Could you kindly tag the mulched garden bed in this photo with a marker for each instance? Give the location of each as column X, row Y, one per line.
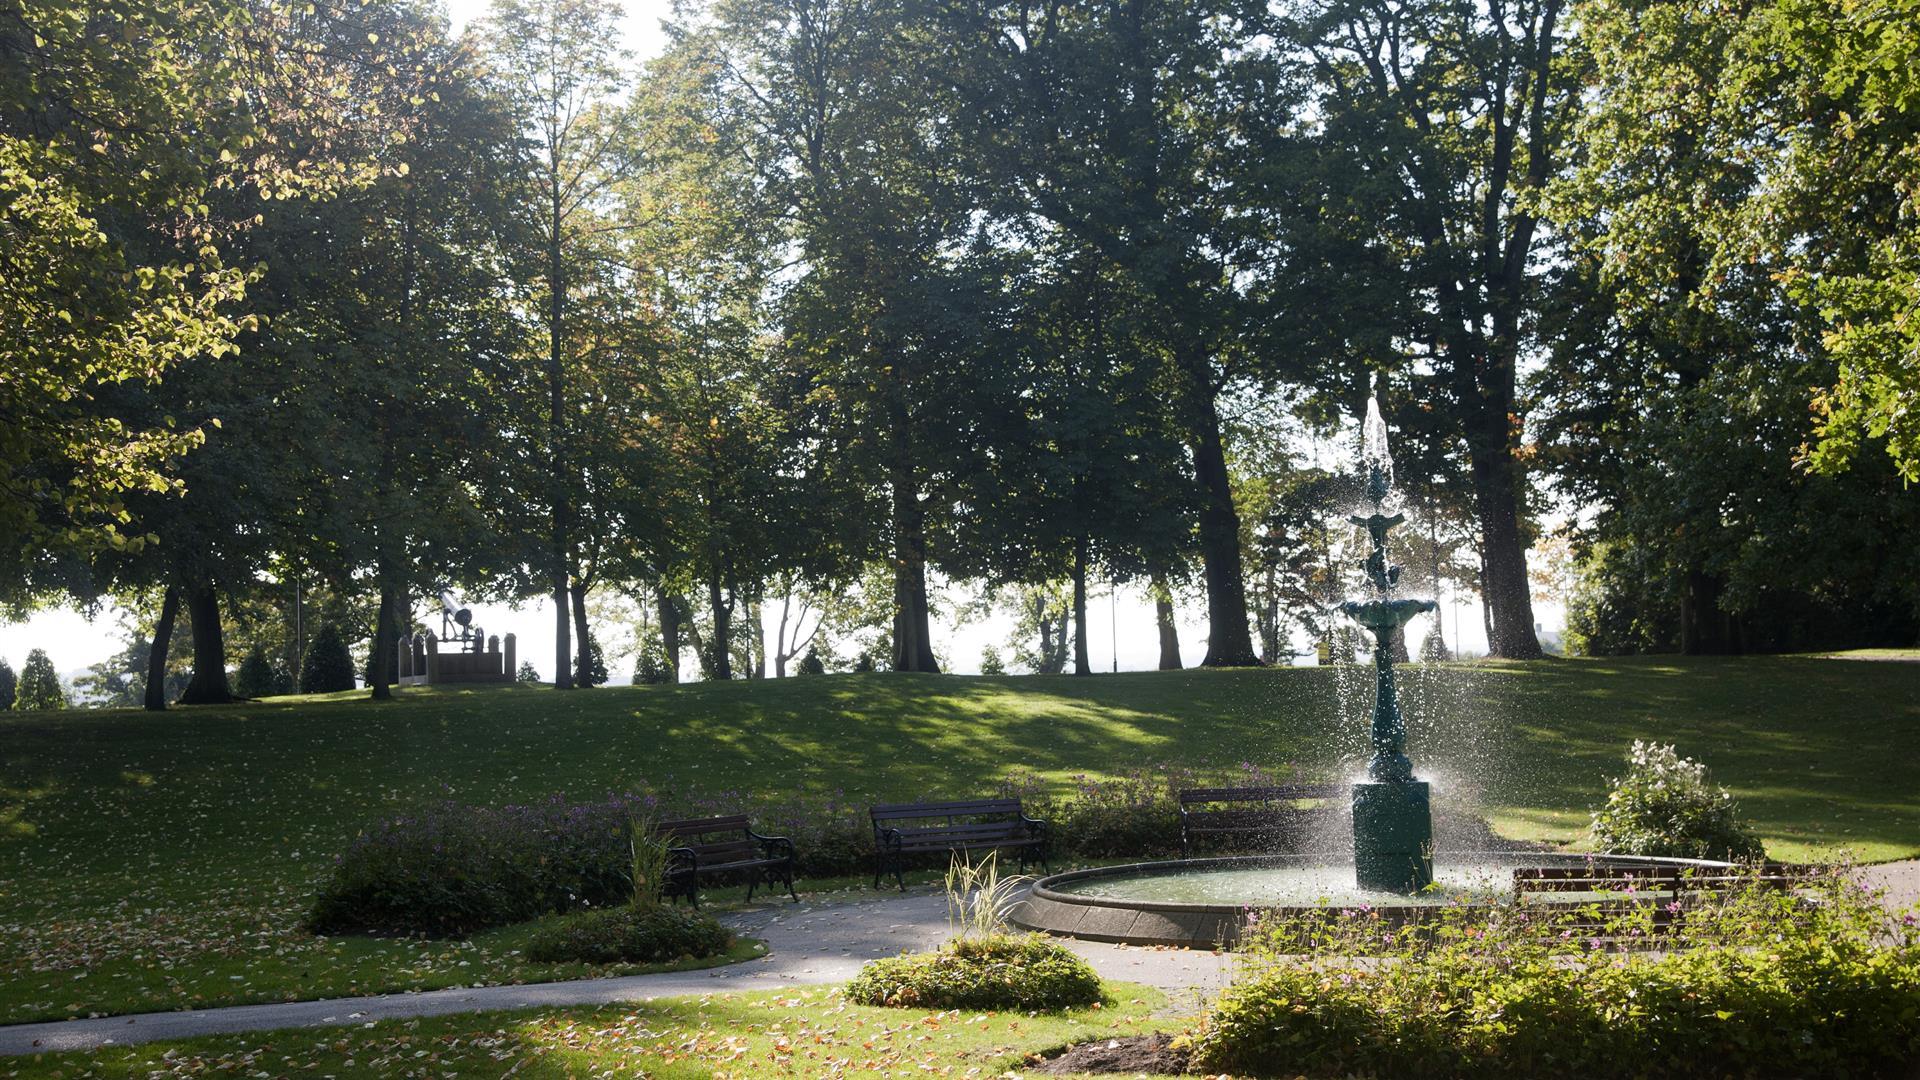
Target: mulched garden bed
column 1137, row 1054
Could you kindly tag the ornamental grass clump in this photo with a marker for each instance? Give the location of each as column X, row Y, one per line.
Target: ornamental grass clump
column 983, row 965
column 1815, row 981
column 1665, row 805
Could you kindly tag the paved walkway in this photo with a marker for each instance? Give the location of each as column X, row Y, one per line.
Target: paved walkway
column 808, row 944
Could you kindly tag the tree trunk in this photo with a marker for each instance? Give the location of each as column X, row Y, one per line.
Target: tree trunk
column 1229, row 642
column 385, row 641
column 669, row 608
column 1496, row 489
column 157, row 656
column 557, row 437
column 209, row 684
column 720, row 642
column 582, row 640
column 1163, row 618
column 1081, row 664
column 757, row 629
column 912, row 628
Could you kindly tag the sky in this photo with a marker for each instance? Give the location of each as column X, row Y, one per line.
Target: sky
column 1122, row 626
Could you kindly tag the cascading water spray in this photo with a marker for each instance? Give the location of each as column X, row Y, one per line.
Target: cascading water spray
column 1392, row 811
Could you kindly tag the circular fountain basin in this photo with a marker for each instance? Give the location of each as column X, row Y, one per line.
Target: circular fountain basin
column 1205, row 902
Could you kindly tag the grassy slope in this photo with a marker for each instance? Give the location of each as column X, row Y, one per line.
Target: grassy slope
column 131, row 841
column 811, row 1032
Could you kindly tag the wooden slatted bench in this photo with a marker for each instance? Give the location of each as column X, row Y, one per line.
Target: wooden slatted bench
column 1620, row 887
column 1274, row 818
column 903, row 830
column 723, row 847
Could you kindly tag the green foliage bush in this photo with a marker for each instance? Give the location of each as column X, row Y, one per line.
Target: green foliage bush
column 9, row 683
column 255, row 679
column 651, row 668
column 39, row 688
column 453, row 870
column 1003, row 971
column 1665, row 805
column 526, row 676
column 328, row 667
column 631, row 934
column 811, row 664
column 1761, row 983
column 990, row 662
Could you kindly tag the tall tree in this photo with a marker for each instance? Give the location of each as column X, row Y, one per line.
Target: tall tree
column 1113, row 123
column 557, row 63
column 1467, row 111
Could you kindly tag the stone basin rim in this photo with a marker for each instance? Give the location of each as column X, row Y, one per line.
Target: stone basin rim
column 1043, row 888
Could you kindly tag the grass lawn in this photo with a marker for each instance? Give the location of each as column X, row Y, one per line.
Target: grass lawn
column 811, row 1032
column 159, row 861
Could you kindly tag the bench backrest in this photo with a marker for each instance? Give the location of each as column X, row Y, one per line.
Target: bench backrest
column 716, row 839
column 936, row 815
column 1284, row 793
column 1619, row 877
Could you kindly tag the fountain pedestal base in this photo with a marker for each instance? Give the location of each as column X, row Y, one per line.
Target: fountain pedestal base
column 1393, row 836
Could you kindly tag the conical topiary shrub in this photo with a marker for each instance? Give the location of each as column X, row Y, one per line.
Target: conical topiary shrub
column 328, row 667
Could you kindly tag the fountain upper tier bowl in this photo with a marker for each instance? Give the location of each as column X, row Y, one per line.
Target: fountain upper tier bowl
column 1204, row 902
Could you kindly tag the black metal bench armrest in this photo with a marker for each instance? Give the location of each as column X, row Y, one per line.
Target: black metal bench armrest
column 886, row 838
column 682, row 859
column 773, row 847
column 1038, row 828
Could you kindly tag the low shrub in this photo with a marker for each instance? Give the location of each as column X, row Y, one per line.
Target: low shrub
column 1760, row 983
column 1001, row 971
column 453, row 870
column 1666, row 806
column 1133, row 816
column 629, row 935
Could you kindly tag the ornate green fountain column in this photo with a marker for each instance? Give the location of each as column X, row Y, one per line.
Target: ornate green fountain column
column 1392, row 812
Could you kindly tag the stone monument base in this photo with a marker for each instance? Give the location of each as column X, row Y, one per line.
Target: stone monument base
column 1393, row 836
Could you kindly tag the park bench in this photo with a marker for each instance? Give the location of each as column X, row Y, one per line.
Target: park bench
column 722, row 847
column 1597, row 892
column 1280, row 818
column 904, row 830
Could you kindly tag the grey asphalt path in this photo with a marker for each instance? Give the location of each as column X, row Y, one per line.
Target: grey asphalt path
column 809, row 943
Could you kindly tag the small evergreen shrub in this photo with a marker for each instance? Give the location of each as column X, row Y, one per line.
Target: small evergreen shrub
column 632, row 934
column 811, row 664
column 1003, row 971
column 1822, row 982
column 527, row 676
column 328, row 667
column 1665, row 805
column 651, row 669
column 39, row 688
column 255, row 679
column 990, row 662
column 9, row 683
column 1433, row 648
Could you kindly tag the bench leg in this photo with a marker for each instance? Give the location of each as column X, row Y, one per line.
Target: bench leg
column 752, row 880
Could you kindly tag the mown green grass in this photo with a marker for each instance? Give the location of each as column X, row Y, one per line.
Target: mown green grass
column 173, row 854
column 812, row 1032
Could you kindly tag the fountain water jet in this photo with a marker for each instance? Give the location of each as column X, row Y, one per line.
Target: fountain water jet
column 1392, row 811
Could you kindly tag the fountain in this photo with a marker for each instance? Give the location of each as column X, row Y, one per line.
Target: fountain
column 1206, row 902
column 1392, row 814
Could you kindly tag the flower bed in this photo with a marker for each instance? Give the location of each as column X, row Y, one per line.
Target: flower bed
column 1761, row 983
